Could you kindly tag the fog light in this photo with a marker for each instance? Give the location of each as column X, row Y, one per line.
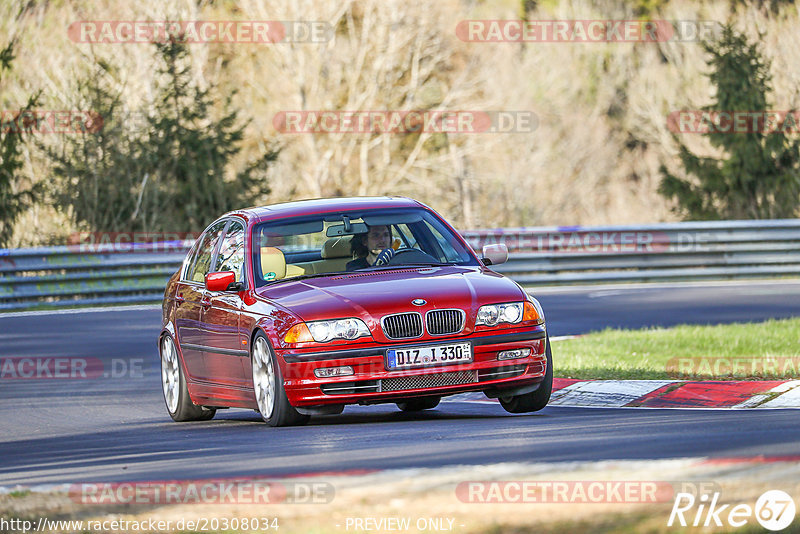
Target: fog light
column 328, row 372
column 513, row 354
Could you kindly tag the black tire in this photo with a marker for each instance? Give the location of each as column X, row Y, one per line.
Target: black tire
column 535, row 400
column 417, row 405
column 281, row 413
column 172, row 376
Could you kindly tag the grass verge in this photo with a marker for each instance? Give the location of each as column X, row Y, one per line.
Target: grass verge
column 767, row 350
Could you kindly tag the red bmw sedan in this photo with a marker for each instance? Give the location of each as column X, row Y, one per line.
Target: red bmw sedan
column 298, row 309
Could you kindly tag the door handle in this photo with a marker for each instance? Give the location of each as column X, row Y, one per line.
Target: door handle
column 179, row 299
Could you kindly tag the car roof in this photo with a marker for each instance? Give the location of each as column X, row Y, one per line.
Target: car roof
column 323, row 205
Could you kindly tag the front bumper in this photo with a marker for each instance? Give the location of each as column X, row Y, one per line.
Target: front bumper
column 372, row 382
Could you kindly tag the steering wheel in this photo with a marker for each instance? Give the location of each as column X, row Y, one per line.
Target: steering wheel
column 411, row 255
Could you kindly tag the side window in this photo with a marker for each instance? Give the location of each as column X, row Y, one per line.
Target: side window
column 231, row 252
column 205, row 250
column 189, row 261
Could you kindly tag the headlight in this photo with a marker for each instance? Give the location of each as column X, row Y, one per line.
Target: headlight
column 494, row 314
column 350, row 328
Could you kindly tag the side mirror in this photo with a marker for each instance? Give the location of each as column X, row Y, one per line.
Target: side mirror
column 222, row 281
column 495, row 254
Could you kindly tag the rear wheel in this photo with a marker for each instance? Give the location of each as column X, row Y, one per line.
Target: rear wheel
column 268, row 387
column 173, row 384
column 535, row 400
column 417, row 405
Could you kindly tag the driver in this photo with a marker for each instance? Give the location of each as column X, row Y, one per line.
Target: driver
column 368, row 246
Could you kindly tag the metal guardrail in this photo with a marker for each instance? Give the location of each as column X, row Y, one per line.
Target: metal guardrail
column 69, row 276
column 648, row 253
column 74, row 276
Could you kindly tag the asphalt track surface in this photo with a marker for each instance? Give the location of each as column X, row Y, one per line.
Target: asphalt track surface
column 117, row 429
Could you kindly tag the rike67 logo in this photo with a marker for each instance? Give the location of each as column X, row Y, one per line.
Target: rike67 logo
column 774, row 510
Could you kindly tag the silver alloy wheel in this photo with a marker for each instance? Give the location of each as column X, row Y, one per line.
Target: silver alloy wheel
column 170, row 373
column 263, row 378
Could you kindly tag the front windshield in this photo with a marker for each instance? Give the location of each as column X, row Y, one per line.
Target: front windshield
column 330, row 243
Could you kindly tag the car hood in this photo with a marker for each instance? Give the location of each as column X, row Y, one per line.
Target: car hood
column 370, row 295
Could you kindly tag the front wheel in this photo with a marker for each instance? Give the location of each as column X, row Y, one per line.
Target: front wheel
column 268, row 387
column 173, row 383
column 535, row 400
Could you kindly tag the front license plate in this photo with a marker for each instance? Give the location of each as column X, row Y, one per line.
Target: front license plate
column 428, row 355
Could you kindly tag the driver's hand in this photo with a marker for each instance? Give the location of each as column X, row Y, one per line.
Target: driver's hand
column 385, row 256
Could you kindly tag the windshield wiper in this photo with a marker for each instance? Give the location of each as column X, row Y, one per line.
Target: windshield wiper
column 303, row 277
column 404, row 265
column 364, row 270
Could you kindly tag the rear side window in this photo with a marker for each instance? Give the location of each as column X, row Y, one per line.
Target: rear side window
column 189, row 260
column 205, row 251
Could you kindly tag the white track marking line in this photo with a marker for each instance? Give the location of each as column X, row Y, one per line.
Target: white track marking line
column 533, row 290
column 70, row 311
column 607, row 393
column 562, row 338
column 758, row 398
column 789, row 396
